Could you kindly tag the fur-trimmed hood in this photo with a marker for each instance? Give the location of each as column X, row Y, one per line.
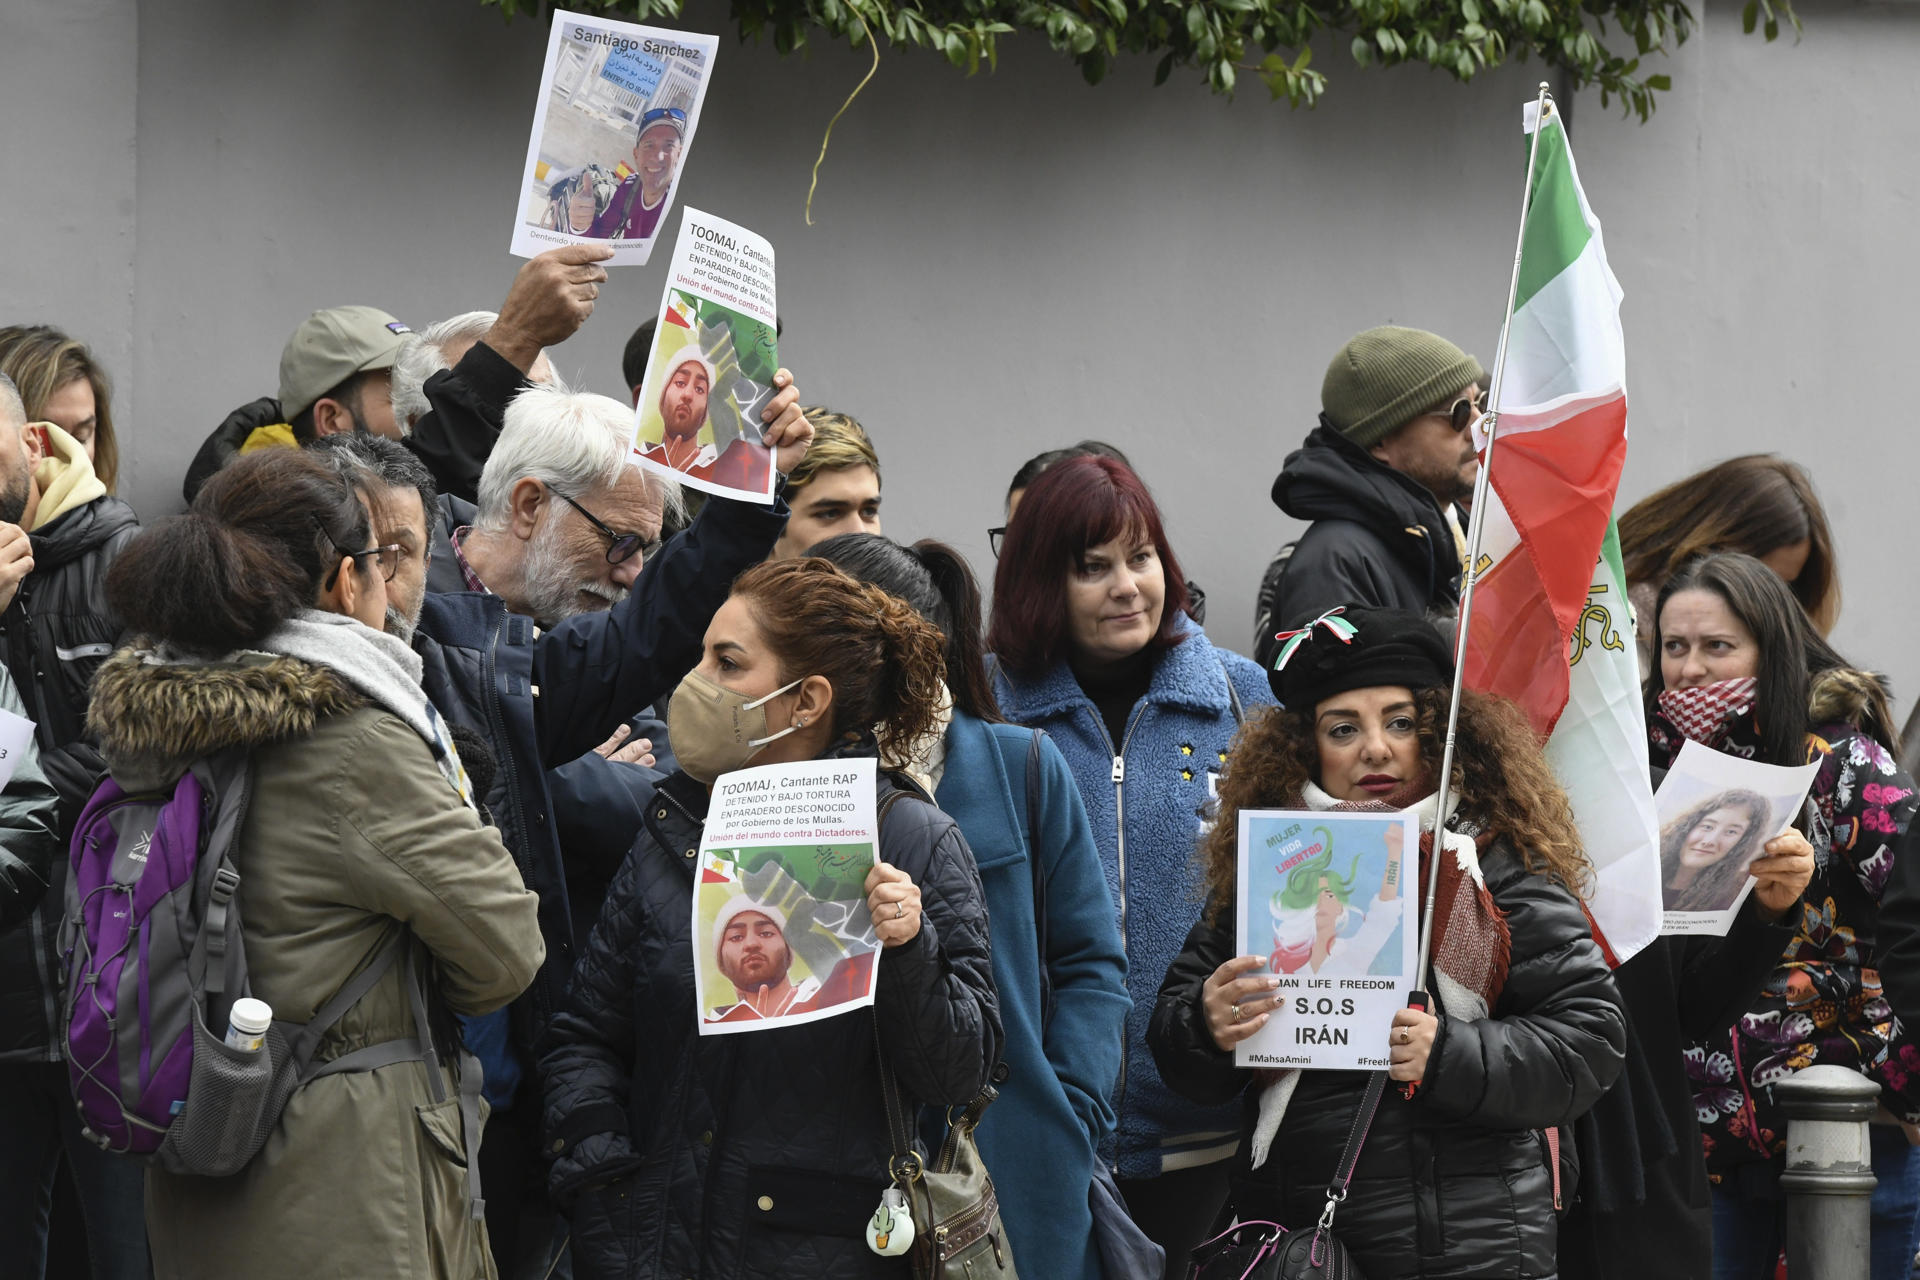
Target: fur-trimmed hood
column 1843, row 695
column 151, row 718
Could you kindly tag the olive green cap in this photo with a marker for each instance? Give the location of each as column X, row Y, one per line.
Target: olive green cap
column 1384, row 377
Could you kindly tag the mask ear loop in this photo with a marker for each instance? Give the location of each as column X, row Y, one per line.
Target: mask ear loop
column 757, row 703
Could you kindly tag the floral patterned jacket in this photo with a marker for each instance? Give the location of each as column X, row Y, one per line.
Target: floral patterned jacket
column 1824, row 1002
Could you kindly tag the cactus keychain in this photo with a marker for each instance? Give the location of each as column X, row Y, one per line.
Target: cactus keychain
column 890, row 1230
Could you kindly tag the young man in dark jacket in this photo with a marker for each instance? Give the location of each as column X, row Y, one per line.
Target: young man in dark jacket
column 55, row 628
column 1393, row 451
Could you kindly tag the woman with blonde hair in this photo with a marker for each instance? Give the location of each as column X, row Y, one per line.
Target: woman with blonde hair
column 60, row 382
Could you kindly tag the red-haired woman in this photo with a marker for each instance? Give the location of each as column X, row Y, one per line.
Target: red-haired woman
column 1093, row 645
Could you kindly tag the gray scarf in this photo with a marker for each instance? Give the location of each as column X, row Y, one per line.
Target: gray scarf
column 379, row 666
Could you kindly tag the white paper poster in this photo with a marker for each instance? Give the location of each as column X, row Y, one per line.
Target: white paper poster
column 1329, row 899
column 1717, row 813
column 16, row 736
column 781, row 932
column 612, row 128
column 710, row 373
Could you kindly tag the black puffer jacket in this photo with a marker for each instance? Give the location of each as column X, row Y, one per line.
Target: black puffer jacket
column 1455, row 1183
column 58, row 630
column 1376, row 538
column 763, row 1154
column 56, row 633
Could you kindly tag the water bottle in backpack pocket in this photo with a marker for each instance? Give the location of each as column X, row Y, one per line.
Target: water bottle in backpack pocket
column 155, row 961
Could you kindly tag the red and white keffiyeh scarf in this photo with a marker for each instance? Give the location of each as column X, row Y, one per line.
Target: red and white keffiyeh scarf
column 1705, row 712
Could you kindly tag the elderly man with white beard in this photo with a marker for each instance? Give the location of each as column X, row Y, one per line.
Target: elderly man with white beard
column 557, row 639
column 563, row 524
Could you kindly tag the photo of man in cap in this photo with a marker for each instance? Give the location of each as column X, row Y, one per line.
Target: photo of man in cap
column 688, row 383
column 752, row 952
column 754, row 956
column 635, row 210
column 683, row 412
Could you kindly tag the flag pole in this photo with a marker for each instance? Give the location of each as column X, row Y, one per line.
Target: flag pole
column 1476, row 527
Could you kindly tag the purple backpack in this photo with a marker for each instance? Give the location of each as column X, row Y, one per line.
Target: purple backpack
column 155, row 960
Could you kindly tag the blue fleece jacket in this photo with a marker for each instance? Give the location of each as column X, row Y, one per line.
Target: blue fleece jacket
column 1040, row 1138
column 1175, row 745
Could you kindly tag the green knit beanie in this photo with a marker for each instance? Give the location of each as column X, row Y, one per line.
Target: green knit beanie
column 1385, row 376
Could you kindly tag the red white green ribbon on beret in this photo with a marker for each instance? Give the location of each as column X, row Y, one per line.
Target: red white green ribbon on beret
column 1336, row 626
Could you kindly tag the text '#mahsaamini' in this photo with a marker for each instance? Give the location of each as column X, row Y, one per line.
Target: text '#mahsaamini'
column 625, row 44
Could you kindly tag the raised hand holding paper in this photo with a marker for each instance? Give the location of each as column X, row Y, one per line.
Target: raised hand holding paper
column 1325, row 896
column 711, row 369
column 781, row 930
column 1717, row 813
column 611, row 130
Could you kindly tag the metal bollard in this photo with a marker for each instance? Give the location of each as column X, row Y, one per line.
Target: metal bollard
column 1829, row 1175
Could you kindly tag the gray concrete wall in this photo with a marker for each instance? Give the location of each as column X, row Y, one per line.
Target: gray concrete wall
column 1008, row 263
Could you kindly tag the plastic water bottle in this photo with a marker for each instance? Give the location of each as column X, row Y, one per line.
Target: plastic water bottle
column 247, row 1024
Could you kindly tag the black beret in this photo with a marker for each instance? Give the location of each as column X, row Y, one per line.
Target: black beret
column 1357, row 647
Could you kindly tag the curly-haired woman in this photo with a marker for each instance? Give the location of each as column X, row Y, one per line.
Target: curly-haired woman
column 1527, row 1030
column 765, row 1155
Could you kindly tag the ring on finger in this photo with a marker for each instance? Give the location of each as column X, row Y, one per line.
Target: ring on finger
column 899, row 911
column 1235, row 1011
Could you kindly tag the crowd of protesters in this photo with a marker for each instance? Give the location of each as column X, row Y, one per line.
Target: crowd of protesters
column 485, row 674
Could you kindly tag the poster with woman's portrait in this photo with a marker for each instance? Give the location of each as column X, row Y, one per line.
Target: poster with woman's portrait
column 1717, row 813
column 1330, row 900
column 611, row 129
column 781, row 929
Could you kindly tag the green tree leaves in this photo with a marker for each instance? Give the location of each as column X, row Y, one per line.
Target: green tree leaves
column 1593, row 42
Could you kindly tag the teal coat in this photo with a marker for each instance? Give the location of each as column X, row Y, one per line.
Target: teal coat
column 1176, row 742
column 1039, row 1138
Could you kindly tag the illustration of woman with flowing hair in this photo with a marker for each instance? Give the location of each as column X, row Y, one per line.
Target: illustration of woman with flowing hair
column 1334, row 924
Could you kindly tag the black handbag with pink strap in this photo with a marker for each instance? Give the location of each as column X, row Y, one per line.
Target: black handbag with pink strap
column 1258, row 1250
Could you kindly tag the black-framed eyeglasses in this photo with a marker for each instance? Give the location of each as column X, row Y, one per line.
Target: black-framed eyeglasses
column 995, row 537
column 621, row 547
column 389, row 561
column 1462, row 413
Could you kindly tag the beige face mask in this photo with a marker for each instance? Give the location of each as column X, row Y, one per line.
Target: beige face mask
column 716, row 730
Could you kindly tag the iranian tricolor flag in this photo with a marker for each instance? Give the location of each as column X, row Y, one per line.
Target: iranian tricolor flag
column 1551, row 625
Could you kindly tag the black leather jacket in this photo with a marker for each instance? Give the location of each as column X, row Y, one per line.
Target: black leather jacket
column 761, row 1154
column 1456, row 1182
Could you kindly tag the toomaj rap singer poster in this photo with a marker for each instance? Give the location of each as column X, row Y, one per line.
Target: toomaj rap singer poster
column 710, row 373
column 781, row 932
column 611, row 130
column 1329, row 899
